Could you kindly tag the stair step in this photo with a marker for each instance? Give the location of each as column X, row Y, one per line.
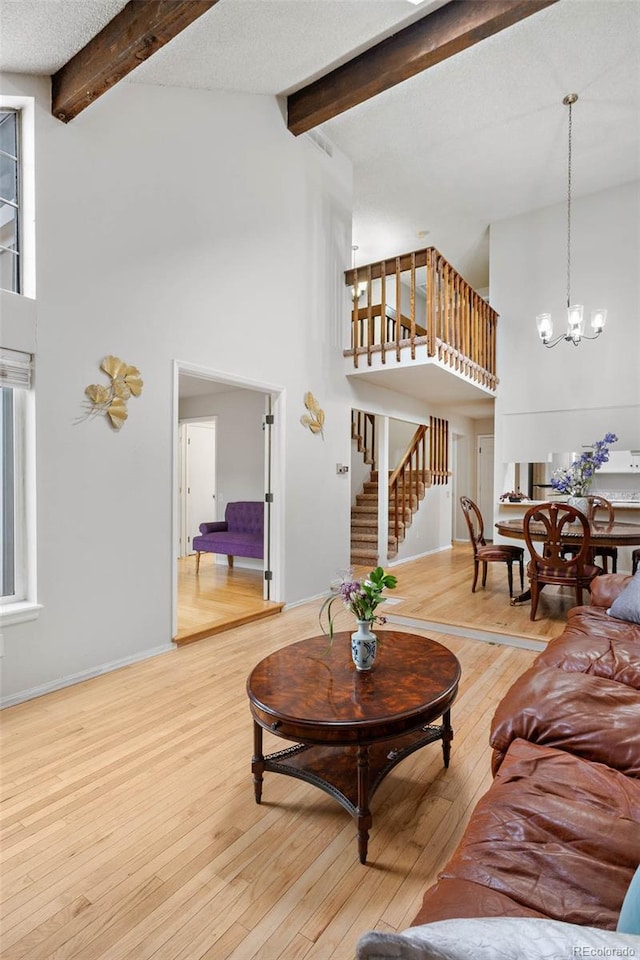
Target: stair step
column 363, row 499
column 372, row 488
column 358, row 556
column 363, row 537
column 358, row 526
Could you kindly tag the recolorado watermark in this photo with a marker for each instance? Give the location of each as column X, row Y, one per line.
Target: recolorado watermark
column 604, row 952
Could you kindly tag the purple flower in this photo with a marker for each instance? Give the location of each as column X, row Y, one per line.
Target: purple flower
column 576, row 479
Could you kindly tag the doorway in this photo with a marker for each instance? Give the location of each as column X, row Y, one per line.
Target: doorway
column 226, row 449
column 197, row 479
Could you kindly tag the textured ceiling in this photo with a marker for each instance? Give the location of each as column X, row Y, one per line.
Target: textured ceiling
column 475, row 139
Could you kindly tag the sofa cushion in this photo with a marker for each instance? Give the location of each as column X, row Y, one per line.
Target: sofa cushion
column 590, row 716
column 606, row 588
column 245, row 516
column 629, row 919
column 627, row 605
column 452, row 897
column 594, row 643
column 496, row 938
column 555, row 834
column 229, row 542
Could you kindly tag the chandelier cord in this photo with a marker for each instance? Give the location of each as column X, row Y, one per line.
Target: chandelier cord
column 569, row 212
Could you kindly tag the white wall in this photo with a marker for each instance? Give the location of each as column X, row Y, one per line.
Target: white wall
column 560, row 399
column 239, row 442
column 188, row 225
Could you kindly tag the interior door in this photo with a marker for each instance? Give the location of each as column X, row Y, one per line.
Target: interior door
column 200, row 477
column 268, row 495
column 485, row 483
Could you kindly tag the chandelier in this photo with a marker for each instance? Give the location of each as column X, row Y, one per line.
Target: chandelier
column 575, row 311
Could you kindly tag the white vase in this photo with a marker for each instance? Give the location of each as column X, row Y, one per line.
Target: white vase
column 581, row 504
column 363, row 646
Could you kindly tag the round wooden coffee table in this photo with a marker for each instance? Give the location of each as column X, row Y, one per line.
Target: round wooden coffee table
column 351, row 728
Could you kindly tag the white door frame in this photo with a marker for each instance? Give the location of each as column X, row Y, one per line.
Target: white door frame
column 277, row 394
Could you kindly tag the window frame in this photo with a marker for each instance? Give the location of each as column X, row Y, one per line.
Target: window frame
column 22, row 604
column 16, row 252
column 25, row 149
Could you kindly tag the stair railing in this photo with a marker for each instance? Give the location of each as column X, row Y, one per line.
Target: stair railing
column 404, row 481
column 439, row 450
column 445, row 315
column 363, row 431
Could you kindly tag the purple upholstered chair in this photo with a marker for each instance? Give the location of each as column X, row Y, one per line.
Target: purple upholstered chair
column 240, row 534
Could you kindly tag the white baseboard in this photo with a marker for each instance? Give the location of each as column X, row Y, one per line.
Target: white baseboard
column 74, row 678
column 300, row 603
column 418, row 556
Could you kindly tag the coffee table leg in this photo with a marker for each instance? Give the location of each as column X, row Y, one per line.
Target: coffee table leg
column 447, row 737
column 363, row 813
column 257, row 762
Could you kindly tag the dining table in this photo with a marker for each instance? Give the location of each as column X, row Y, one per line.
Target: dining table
column 601, row 533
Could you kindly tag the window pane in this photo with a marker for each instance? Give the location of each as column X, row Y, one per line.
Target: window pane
column 8, row 132
column 9, row 191
column 7, row 514
column 9, row 267
column 8, row 178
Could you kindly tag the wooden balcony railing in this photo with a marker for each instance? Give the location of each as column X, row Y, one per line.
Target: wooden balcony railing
column 419, row 301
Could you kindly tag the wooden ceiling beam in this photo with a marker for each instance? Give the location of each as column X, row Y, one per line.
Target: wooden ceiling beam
column 134, row 34
column 439, row 35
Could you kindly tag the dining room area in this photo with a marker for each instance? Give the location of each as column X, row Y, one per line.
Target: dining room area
column 524, row 568
column 436, row 589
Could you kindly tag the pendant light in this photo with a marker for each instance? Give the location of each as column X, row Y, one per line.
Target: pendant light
column 575, row 311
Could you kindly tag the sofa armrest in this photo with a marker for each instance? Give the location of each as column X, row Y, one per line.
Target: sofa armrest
column 219, row 526
column 606, row 588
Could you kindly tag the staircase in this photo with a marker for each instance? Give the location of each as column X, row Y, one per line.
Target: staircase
column 364, row 519
column 405, row 487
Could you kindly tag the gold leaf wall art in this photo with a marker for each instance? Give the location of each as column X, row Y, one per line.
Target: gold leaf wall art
column 314, row 419
column 112, row 400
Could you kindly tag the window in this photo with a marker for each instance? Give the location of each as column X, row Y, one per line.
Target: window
column 17, row 520
column 9, row 201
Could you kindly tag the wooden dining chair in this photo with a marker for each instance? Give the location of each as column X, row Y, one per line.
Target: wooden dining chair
column 551, row 566
column 598, row 504
column 485, row 553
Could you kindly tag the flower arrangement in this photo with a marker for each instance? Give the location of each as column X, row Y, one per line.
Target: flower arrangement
column 576, row 479
column 515, row 496
column 360, row 597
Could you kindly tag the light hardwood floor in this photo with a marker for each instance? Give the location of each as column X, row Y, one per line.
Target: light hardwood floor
column 436, row 589
column 217, row 597
column 130, row 830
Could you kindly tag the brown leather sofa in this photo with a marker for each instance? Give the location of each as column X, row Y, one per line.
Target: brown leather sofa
column 558, row 833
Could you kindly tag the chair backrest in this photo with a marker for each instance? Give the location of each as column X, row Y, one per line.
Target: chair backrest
column 555, row 518
column 475, row 522
column 245, row 516
column 599, row 503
